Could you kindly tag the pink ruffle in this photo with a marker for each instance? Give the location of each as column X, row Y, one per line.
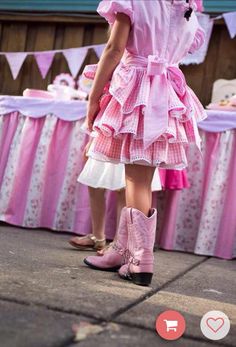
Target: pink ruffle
column 130, row 86
column 120, row 123
column 174, row 179
column 109, row 9
column 129, row 150
column 199, row 5
column 198, row 41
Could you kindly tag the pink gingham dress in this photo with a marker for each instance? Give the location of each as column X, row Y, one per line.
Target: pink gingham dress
column 148, row 114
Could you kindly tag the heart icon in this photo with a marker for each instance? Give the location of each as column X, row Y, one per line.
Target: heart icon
column 215, row 324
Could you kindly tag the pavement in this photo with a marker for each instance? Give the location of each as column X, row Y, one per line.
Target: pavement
column 45, row 290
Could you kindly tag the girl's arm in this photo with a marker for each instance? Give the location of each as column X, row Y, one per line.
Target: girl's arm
column 111, row 57
column 86, row 149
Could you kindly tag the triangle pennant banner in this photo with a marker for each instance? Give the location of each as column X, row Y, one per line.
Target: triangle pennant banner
column 75, row 58
column 15, row 61
column 44, row 61
column 230, row 20
column 99, row 50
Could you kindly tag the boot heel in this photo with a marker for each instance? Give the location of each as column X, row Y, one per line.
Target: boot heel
column 141, row 278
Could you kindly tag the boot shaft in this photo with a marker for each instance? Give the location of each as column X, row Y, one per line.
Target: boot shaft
column 141, row 230
column 122, row 232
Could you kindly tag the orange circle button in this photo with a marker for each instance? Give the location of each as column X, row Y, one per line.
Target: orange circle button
column 170, row 325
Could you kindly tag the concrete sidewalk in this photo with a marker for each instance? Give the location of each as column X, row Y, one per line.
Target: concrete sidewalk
column 45, row 288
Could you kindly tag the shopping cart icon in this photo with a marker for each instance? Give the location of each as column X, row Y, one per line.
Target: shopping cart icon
column 171, row 325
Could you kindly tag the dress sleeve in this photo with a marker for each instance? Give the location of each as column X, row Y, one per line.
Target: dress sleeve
column 198, row 41
column 109, row 9
column 196, row 5
column 199, row 5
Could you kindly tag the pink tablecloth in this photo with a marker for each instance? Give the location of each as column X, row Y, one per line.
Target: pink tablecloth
column 40, row 159
column 202, row 219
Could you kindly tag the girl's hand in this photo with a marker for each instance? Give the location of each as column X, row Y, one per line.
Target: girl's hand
column 92, row 111
column 86, row 149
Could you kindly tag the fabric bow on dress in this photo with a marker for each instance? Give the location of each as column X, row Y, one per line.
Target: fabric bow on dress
column 156, row 113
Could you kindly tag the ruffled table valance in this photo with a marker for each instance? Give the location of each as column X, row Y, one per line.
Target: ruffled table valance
column 218, row 121
column 36, row 108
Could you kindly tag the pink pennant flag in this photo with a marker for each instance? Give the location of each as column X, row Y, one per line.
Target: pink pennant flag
column 44, row 61
column 15, row 61
column 230, row 20
column 75, row 58
column 99, row 50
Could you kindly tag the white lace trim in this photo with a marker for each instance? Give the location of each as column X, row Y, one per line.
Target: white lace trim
column 139, row 160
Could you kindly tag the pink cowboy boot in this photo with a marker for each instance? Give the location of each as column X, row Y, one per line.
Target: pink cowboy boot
column 112, row 259
column 141, row 238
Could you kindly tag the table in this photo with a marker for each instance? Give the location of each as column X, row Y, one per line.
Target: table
column 202, row 219
column 41, row 148
column 41, row 156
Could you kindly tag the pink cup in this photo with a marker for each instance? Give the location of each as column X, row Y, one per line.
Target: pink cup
column 37, row 93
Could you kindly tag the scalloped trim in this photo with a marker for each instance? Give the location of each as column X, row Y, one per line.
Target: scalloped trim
column 140, row 161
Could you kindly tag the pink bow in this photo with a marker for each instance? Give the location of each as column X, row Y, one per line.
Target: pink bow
column 156, row 113
column 156, row 66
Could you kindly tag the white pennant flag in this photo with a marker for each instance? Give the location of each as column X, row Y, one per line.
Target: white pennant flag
column 230, row 20
column 99, row 50
column 15, row 61
column 75, row 58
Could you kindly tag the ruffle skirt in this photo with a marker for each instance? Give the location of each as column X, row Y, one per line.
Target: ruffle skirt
column 119, row 126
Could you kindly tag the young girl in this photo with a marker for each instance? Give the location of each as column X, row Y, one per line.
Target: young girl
column 146, row 118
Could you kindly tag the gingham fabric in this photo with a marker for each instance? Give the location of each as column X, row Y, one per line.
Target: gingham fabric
column 120, row 124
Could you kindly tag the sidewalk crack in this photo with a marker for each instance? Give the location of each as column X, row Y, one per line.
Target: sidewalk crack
column 152, row 292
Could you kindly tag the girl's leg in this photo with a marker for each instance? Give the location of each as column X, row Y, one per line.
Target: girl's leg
column 120, row 204
column 138, row 187
column 97, row 239
column 98, row 207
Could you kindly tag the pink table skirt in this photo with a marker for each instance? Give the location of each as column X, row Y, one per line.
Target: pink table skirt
column 40, row 159
column 202, row 219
